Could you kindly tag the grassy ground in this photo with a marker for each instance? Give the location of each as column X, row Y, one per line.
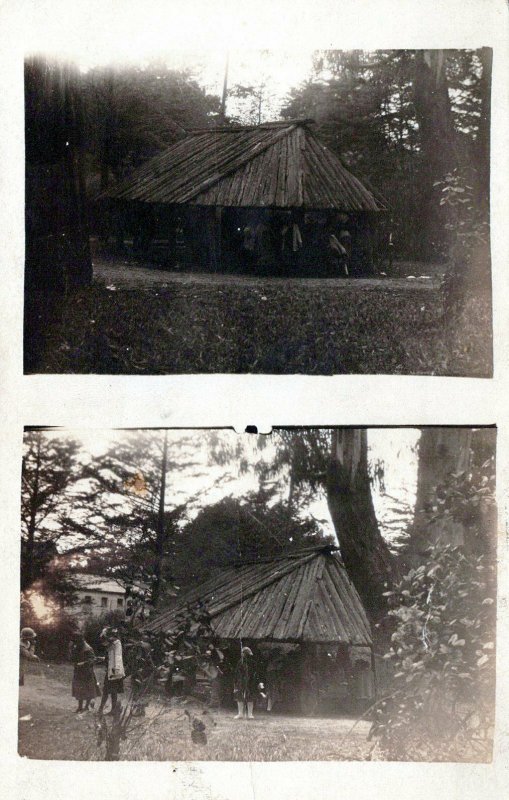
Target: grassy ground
column 140, row 321
column 54, row 731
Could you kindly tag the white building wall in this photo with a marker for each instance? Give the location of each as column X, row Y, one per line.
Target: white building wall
column 94, row 603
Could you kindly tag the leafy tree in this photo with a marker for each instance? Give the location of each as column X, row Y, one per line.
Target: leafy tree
column 404, row 119
column 55, row 505
column 134, row 476
column 439, row 704
column 468, row 228
column 136, row 111
column 335, row 462
column 233, row 529
column 455, row 492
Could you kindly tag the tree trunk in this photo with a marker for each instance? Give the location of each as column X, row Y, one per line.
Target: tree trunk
column 442, row 453
column 437, row 141
column 57, row 237
column 161, row 526
column 366, row 556
column 27, row 575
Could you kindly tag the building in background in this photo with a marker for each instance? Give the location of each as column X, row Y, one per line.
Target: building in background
column 96, row 595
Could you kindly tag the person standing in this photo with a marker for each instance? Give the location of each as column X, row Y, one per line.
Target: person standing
column 85, row 687
column 141, row 676
column 27, row 642
column 245, row 684
column 274, row 679
column 115, row 674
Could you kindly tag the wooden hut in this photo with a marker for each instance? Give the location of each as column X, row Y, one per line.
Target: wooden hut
column 215, row 184
column 300, row 607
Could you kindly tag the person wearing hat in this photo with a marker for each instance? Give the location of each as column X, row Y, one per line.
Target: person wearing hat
column 115, row 674
column 84, row 682
column 245, row 684
column 26, row 651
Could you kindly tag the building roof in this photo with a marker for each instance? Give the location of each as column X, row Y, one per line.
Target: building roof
column 304, row 596
column 275, row 165
column 97, row 583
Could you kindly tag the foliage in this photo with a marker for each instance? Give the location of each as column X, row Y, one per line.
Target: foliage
column 132, row 477
column 255, row 102
column 54, row 507
column 134, row 112
column 468, row 228
column 53, row 631
column 456, row 493
column 241, row 529
column 219, row 326
column 173, row 659
column 439, row 705
column 366, row 103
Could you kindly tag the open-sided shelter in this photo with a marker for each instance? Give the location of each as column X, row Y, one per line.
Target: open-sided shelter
column 215, row 183
column 302, row 599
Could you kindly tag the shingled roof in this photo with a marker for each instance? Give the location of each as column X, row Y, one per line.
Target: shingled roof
column 275, row 165
column 304, row 596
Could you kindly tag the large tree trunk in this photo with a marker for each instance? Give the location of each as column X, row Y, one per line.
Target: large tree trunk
column 57, row 241
column 365, row 553
column 437, row 141
column 27, row 570
column 443, row 452
column 161, row 526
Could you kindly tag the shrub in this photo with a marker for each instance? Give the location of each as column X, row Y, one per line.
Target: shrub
column 440, row 701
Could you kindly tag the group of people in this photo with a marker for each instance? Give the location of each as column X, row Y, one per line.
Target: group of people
column 259, row 680
column 281, row 240
column 85, row 686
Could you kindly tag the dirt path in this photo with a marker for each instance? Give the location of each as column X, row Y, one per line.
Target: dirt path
column 54, row 731
column 129, row 276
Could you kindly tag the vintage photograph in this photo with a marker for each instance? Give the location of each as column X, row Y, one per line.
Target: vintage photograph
column 271, row 212
column 312, row 594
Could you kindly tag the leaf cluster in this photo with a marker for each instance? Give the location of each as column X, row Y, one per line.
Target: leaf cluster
column 440, row 698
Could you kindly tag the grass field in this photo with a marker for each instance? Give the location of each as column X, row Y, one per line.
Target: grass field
column 54, row 731
column 140, row 321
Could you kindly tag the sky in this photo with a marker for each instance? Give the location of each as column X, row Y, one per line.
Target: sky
column 394, row 447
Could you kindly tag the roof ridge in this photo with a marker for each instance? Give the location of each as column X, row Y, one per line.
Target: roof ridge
column 287, row 554
column 281, row 123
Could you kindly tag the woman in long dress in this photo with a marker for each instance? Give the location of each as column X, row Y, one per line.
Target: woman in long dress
column 84, row 682
column 245, row 684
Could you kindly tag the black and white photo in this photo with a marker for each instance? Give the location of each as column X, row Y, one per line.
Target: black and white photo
column 307, row 595
column 271, row 212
